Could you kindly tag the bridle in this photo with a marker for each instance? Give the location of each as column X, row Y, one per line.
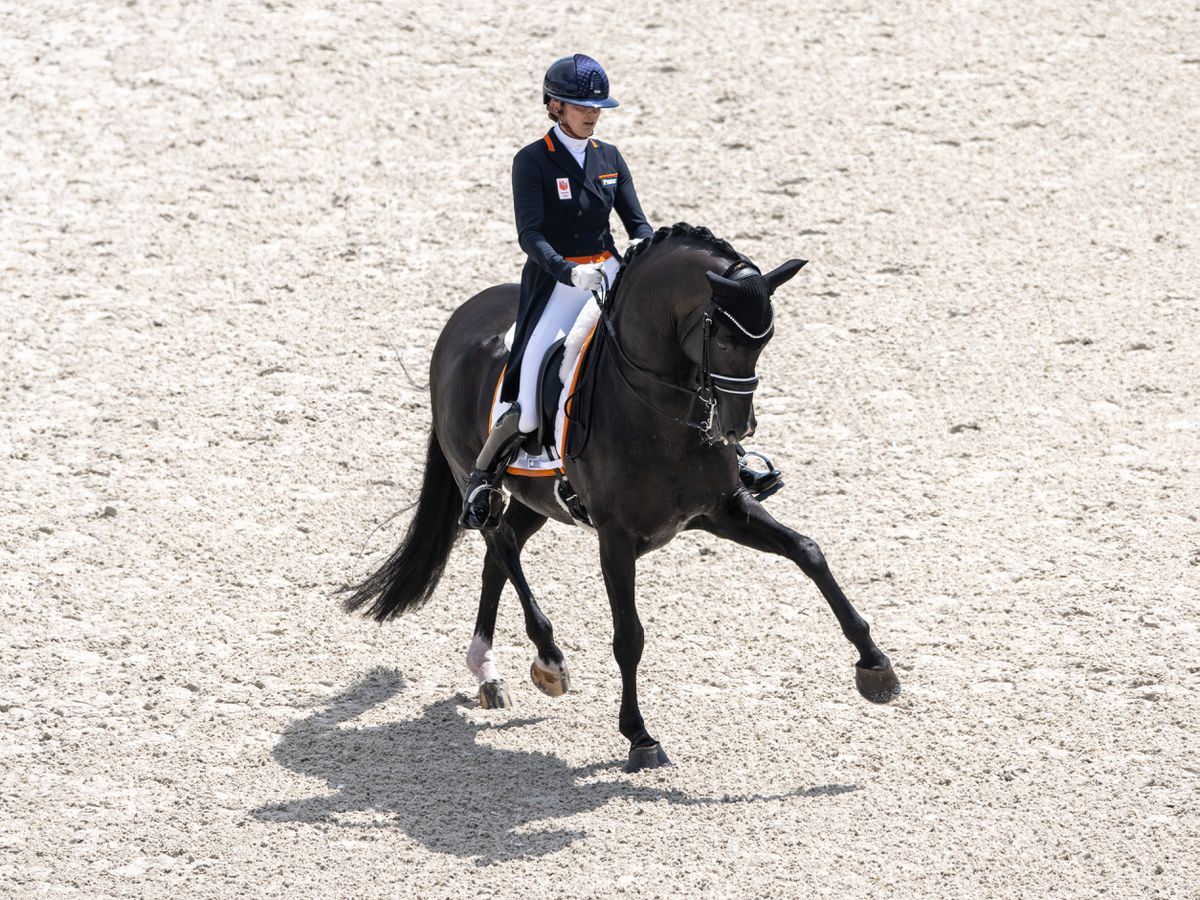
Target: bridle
column 710, row 383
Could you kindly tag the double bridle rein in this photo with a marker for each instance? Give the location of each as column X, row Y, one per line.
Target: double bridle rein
column 710, row 383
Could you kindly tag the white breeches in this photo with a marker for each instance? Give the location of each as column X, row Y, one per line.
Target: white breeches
column 562, row 309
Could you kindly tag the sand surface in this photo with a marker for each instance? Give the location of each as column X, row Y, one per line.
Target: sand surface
column 222, row 227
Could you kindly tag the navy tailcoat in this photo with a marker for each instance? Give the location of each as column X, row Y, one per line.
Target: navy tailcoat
column 562, row 211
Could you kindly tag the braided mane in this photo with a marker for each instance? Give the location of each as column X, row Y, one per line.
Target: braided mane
column 699, row 232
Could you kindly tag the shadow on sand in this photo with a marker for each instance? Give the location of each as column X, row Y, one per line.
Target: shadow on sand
column 442, row 788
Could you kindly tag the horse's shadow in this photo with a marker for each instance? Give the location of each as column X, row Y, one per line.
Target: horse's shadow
column 441, row 787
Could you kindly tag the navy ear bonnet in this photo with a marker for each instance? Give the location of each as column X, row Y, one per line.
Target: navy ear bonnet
column 746, row 309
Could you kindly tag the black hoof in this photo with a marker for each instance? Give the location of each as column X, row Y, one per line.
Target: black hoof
column 652, row 757
column 494, row 695
column 877, row 685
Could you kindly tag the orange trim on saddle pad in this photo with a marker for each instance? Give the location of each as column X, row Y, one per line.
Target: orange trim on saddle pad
column 585, row 260
column 533, row 473
column 496, row 395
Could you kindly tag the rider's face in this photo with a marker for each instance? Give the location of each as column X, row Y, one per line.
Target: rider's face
column 578, row 121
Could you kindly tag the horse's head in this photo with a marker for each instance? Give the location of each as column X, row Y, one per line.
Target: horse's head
column 696, row 335
column 726, row 338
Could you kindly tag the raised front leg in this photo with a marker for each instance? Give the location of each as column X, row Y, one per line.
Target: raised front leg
column 745, row 520
column 618, row 560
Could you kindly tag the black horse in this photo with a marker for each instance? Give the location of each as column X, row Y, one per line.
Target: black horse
column 665, row 397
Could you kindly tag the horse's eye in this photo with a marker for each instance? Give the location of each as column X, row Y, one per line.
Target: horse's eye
column 722, row 345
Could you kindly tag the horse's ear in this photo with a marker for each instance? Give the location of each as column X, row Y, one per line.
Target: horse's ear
column 784, row 273
column 723, row 287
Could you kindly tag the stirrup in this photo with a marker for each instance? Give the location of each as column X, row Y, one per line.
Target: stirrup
column 483, row 504
column 759, row 483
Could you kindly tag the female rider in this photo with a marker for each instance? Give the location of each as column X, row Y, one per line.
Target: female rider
column 565, row 185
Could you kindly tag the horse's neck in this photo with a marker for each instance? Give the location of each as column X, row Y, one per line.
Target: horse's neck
column 649, row 314
column 650, row 307
column 644, row 329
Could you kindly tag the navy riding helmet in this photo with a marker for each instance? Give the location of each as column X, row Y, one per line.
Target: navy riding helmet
column 579, row 80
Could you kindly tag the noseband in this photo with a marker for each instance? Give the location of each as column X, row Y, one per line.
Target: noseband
column 710, row 383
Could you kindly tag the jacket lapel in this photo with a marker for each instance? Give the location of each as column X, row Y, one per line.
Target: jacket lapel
column 562, row 157
column 592, row 170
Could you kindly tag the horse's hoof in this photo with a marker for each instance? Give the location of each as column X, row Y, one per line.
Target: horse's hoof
column 652, row 757
column 550, row 682
column 877, row 685
column 494, row 695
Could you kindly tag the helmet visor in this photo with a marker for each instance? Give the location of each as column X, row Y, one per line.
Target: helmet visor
column 606, row 103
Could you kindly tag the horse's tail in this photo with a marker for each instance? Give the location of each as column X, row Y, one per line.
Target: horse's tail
column 410, row 575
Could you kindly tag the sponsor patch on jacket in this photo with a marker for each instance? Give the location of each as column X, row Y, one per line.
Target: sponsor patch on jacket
column 564, row 189
column 609, row 180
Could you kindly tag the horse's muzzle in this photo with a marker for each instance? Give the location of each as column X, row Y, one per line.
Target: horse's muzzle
column 740, row 427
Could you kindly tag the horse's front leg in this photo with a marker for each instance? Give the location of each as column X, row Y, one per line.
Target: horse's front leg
column 618, row 560
column 743, row 519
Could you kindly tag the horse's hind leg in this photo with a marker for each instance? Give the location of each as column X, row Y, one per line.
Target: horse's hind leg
column 549, row 670
column 493, row 690
column 745, row 521
column 519, row 524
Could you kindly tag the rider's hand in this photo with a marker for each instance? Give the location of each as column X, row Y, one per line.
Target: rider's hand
column 587, row 277
column 631, row 245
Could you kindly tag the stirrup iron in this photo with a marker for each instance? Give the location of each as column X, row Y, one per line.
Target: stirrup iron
column 762, row 484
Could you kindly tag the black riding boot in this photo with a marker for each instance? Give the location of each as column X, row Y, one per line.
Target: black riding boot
column 762, row 484
column 483, row 501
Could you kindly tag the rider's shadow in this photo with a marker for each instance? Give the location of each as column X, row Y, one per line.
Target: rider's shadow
column 440, row 786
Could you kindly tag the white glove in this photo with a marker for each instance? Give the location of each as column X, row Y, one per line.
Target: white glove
column 632, row 244
column 587, row 277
